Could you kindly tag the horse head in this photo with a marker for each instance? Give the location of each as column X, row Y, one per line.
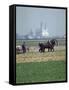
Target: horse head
column 54, row 42
column 41, row 44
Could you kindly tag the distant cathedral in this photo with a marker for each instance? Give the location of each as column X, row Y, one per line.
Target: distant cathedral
column 40, row 32
column 43, row 30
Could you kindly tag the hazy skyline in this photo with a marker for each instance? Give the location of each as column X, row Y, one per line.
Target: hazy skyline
column 28, row 19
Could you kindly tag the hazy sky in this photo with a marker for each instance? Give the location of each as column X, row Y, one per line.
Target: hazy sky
column 28, row 18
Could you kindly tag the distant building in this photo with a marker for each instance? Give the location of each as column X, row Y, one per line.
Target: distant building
column 39, row 33
column 42, row 32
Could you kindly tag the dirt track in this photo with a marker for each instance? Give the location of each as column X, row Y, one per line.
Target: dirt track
column 58, row 54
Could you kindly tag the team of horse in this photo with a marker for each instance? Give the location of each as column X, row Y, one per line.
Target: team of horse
column 49, row 45
column 42, row 46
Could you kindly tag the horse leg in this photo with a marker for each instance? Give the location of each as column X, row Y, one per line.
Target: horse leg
column 39, row 50
column 44, row 50
column 48, row 49
column 53, row 49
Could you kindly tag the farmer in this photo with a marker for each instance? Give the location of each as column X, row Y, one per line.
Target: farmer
column 24, row 47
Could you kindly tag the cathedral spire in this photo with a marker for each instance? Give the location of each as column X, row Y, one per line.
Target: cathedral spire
column 45, row 26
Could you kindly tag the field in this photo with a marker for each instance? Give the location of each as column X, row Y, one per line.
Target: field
column 34, row 67
column 38, row 57
column 40, row 72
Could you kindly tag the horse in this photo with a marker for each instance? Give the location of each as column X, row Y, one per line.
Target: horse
column 54, row 42
column 42, row 47
column 21, row 48
column 49, row 45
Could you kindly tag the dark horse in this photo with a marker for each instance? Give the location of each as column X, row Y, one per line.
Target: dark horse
column 49, row 45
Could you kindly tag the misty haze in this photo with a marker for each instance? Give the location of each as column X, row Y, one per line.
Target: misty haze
column 39, row 23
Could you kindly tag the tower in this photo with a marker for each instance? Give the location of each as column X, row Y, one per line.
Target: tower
column 45, row 26
column 41, row 27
